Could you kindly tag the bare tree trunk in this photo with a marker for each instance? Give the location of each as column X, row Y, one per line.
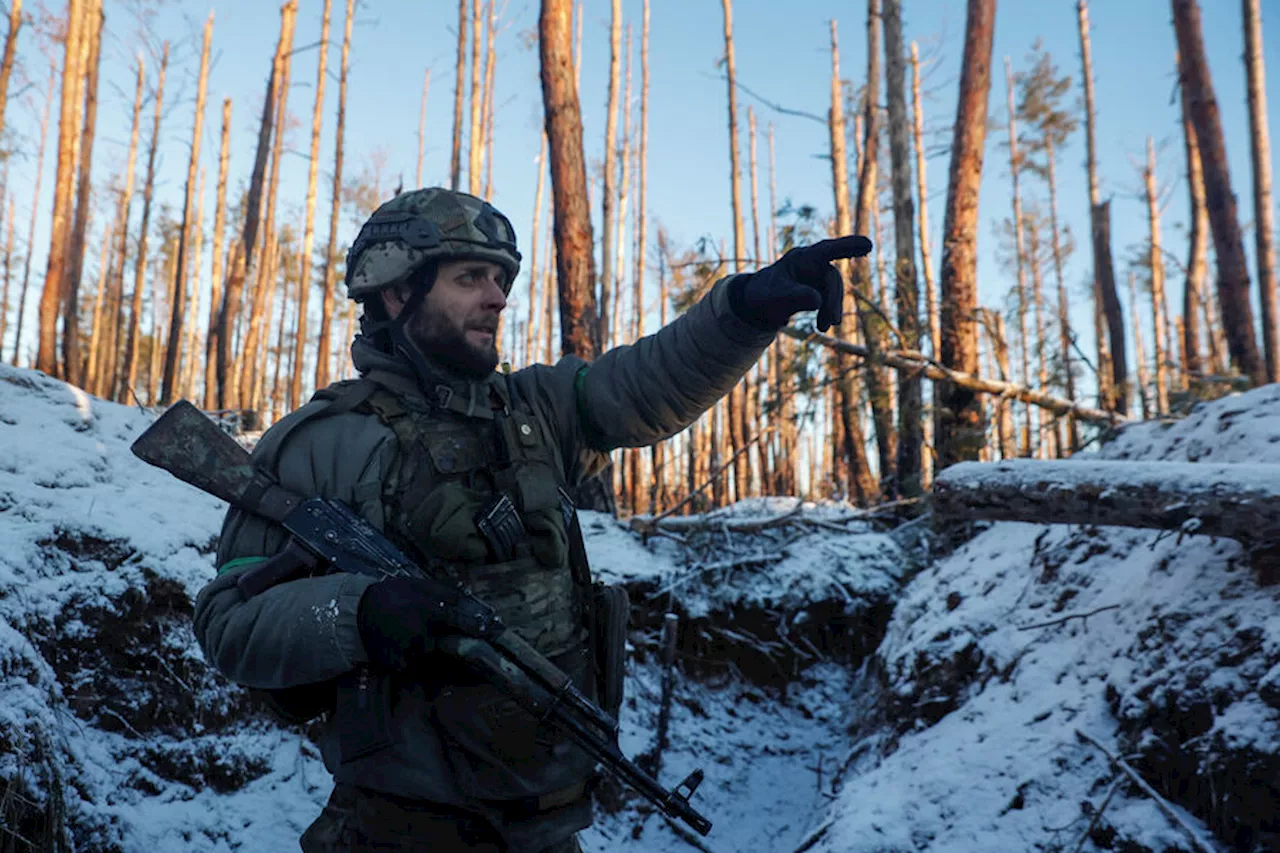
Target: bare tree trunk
column 187, row 369
column 10, row 49
column 490, row 69
column 550, row 291
column 455, row 163
column 255, row 337
column 110, row 340
column 68, row 134
column 531, row 355
column 960, row 430
column 158, row 305
column 8, row 272
column 993, row 322
column 624, row 184
column 1045, row 434
column 215, row 300
column 1156, row 259
column 475, row 144
column 1233, row 270
column 422, row 126
column 1197, row 249
column 308, row 227
column 579, row 329
column 759, row 450
column 1144, row 376
column 193, row 165
column 35, row 204
column 1015, row 167
column 1064, row 315
column 873, row 325
column 1113, row 388
column 641, row 201
column 90, row 55
column 140, row 265
column 922, row 191
column 229, row 374
column 852, row 443
column 609, row 195
column 1260, row 151
column 327, row 279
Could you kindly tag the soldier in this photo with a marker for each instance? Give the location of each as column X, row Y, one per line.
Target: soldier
column 466, row 469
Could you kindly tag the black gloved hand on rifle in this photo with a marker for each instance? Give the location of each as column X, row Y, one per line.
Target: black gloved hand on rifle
column 801, row 280
column 401, row 618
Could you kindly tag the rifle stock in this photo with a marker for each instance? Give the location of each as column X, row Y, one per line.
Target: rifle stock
column 187, row 444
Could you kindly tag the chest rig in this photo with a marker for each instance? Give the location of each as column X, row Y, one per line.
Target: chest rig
column 474, row 493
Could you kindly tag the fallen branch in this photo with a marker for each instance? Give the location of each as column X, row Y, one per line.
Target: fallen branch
column 909, row 360
column 1097, row 815
column 1239, row 501
column 1160, row 801
column 686, row 523
column 1069, row 617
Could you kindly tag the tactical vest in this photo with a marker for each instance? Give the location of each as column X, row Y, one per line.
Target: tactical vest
column 454, row 457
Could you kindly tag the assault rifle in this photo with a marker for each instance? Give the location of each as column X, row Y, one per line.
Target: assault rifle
column 327, row 536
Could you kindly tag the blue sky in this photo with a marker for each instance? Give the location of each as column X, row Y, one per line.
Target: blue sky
column 782, row 54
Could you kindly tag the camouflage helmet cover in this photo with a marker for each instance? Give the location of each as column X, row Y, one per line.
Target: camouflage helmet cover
column 424, row 225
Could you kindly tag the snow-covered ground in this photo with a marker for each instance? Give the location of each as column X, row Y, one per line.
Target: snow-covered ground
column 957, row 734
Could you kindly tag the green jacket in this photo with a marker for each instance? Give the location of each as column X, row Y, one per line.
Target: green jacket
column 305, row 631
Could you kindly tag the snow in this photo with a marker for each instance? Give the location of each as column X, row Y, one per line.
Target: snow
column 958, row 733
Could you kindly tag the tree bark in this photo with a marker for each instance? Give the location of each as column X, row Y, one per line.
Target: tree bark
column 1020, row 250
column 873, row 325
column 579, row 329
column 327, row 279
column 960, row 434
column 1260, row 151
column 455, row 162
column 308, row 226
column 130, row 373
column 422, row 126
column 852, row 442
column 8, row 273
column 475, row 144
column 531, row 354
column 624, row 184
column 178, row 318
column 1207, row 499
column 1197, row 248
column 35, row 205
column 90, row 55
column 486, row 109
column 1111, row 350
column 993, row 323
column 1233, row 270
column 906, row 294
column 1156, row 261
column 215, row 299
column 1112, row 313
column 10, row 49
column 609, row 195
column 68, row 134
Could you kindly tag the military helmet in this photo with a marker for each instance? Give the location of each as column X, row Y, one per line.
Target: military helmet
column 425, row 225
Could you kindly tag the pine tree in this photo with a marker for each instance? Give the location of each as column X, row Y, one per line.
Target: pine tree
column 1233, row 270
column 219, row 227
column 35, row 204
column 10, row 49
column 960, row 430
column 1264, row 218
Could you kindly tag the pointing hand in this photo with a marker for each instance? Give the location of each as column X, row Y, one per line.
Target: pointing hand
column 801, row 280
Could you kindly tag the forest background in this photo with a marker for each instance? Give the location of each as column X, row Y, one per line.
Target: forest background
column 398, row 133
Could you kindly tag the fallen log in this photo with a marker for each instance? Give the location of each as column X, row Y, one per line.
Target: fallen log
column 916, row 362
column 1240, row 502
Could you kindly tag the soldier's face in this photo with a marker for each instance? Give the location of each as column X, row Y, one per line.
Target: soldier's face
column 458, row 321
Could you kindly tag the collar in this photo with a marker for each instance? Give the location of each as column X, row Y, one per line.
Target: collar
column 443, row 388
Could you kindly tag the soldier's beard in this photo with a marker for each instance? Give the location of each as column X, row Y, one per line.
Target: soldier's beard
column 441, row 340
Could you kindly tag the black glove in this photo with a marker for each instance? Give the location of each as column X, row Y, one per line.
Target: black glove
column 401, row 618
column 801, row 280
